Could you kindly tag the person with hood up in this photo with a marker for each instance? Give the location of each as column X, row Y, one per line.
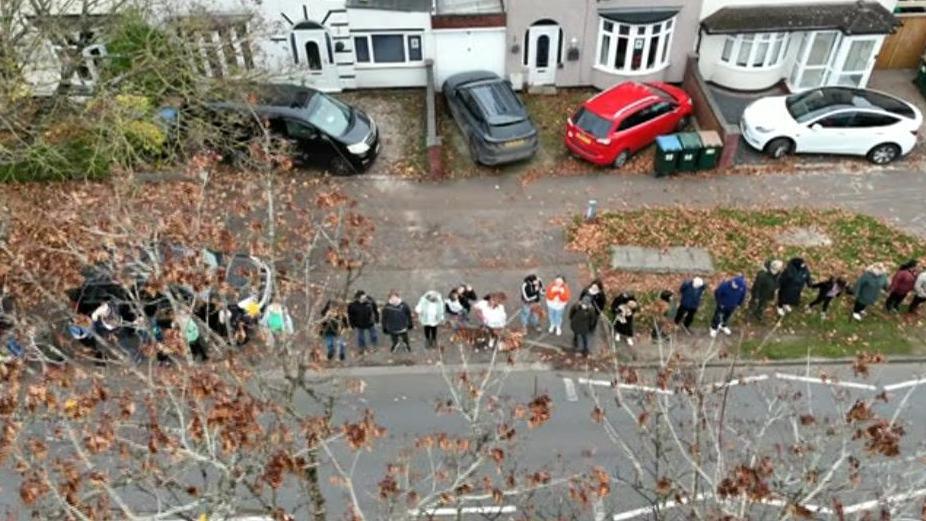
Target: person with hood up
column 901, row 285
column 455, row 310
column 362, row 316
column 623, row 308
column 582, row 321
column 277, row 322
column 868, row 288
column 596, row 295
column 728, row 296
column 557, row 297
column 492, row 315
column 792, row 282
column 397, row 321
column 662, row 320
column 690, row 294
column 333, row 325
column 531, row 293
column 919, row 292
column 763, row 288
column 430, row 311
column 468, row 296
column 827, row 290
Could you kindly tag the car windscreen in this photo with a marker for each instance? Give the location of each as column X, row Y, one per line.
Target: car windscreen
column 811, row 104
column 329, row 115
column 497, row 103
column 592, row 123
column 664, row 95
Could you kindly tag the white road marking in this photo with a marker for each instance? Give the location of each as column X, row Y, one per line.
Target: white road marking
column 571, row 394
column 449, row 511
column 631, row 387
column 598, row 510
column 738, row 381
column 840, row 383
column 901, row 385
column 875, row 503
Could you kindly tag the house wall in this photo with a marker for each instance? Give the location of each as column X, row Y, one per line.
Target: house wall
column 708, row 7
column 401, row 75
column 579, row 20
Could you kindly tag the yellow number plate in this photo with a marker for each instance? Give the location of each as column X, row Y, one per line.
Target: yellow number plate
column 514, row 144
column 583, row 138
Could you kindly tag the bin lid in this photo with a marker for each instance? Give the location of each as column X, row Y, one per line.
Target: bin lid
column 710, row 138
column 689, row 140
column 669, row 143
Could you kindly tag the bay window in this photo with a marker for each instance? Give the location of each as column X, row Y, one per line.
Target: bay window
column 754, row 51
column 628, row 48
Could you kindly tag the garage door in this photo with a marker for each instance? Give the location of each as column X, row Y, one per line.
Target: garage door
column 461, row 50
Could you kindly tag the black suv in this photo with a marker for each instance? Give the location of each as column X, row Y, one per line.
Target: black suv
column 321, row 130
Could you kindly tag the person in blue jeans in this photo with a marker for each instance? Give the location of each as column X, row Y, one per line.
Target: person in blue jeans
column 363, row 315
column 729, row 296
column 333, row 326
column 531, row 294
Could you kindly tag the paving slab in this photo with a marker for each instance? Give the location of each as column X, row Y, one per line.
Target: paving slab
column 676, row 259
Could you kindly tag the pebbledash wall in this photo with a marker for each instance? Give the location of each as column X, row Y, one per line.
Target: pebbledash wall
column 583, row 60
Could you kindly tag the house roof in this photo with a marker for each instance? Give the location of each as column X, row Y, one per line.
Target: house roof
column 392, row 5
column 849, row 17
column 469, row 7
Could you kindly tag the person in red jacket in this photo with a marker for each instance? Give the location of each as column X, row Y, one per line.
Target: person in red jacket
column 901, row 284
column 557, row 297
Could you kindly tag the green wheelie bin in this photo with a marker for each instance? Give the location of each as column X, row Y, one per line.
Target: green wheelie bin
column 691, row 151
column 668, row 148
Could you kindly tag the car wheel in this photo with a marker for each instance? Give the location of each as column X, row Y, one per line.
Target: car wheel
column 682, row 124
column 340, row 167
column 778, row 147
column 621, row 159
column 884, row 153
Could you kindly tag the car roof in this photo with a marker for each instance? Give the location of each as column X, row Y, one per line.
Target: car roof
column 852, row 98
column 621, row 99
column 463, row 78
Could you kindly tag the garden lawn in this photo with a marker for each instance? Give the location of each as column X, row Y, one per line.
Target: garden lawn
column 740, row 241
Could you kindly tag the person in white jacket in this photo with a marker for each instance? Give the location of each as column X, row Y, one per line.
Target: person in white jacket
column 919, row 292
column 430, row 311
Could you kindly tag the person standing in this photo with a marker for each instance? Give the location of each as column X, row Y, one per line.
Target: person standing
column 596, row 295
column 277, row 322
column 531, row 293
column 623, row 308
column 763, row 288
column 455, row 310
column 190, row 330
column 919, row 292
column 665, row 311
column 362, row 316
column 430, row 311
column 468, row 296
column 690, row 294
column 792, row 282
column 492, row 315
column 827, row 291
column 582, row 321
column 868, row 288
column 557, row 297
column 728, row 296
column 397, row 321
column 333, row 325
column 901, row 285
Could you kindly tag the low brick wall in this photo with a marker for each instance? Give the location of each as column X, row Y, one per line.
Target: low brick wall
column 708, row 113
column 468, row 21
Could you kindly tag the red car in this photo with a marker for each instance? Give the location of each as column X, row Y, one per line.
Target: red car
column 610, row 127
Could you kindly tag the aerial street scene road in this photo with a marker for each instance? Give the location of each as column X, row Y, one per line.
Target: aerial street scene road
column 530, row 260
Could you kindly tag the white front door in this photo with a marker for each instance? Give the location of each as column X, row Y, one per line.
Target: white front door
column 542, row 54
column 854, row 60
column 814, row 59
column 313, row 56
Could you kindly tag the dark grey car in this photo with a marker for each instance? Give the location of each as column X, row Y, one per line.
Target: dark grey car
column 491, row 117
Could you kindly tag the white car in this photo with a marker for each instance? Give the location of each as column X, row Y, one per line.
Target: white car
column 833, row 120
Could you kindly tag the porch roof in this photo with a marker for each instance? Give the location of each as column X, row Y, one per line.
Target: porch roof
column 849, row 17
column 392, row 5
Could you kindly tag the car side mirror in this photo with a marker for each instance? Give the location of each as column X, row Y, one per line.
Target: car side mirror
column 816, row 126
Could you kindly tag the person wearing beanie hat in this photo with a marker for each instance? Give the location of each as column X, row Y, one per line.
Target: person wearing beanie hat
column 728, row 296
column 763, row 288
column 690, row 294
column 868, row 288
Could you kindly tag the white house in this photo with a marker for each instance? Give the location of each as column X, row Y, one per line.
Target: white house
column 751, row 45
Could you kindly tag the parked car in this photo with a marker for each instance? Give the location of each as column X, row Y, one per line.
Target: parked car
column 322, row 130
column 491, row 117
column 608, row 128
column 833, row 120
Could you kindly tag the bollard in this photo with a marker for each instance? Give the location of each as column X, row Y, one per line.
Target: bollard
column 591, row 210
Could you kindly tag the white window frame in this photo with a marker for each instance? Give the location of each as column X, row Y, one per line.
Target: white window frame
column 662, row 31
column 373, row 64
column 733, row 44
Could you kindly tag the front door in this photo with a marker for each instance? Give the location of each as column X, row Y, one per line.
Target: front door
column 313, row 56
column 814, row 59
column 542, row 54
column 854, row 61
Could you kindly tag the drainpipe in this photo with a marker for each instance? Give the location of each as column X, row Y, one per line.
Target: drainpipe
column 698, row 45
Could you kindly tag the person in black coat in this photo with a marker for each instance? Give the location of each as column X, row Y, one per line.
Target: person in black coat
column 582, row 320
column 467, row 296
column 362, row 315
column 397, row 321
column 623, row 308
column 596, row 296
column 793, row 280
